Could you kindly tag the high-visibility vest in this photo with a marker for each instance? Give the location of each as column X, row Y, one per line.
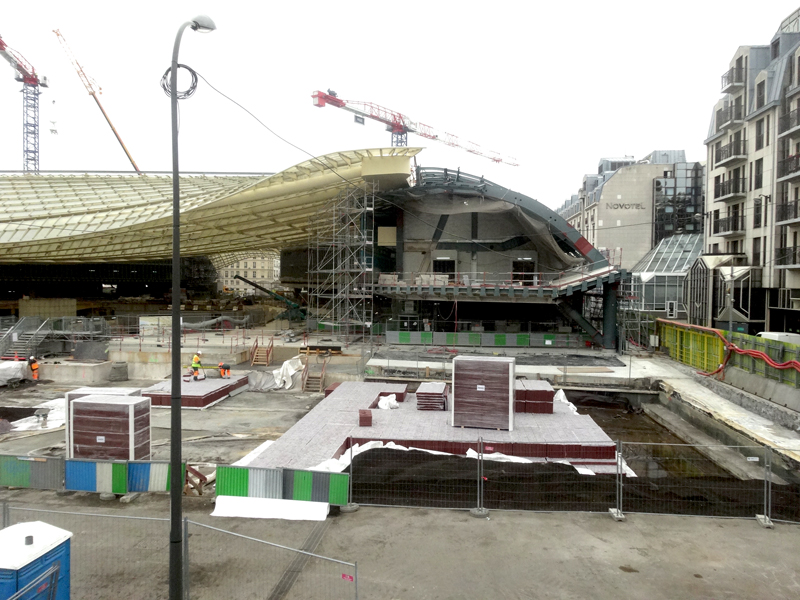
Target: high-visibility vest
column 196, row 361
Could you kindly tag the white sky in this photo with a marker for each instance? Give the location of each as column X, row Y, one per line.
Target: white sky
column 555, row 84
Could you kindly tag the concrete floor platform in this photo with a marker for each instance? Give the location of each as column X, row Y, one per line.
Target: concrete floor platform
column 197, row 394
column 324, row 432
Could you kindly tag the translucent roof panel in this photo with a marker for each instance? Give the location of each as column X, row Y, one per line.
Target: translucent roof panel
column 674, row 254
column 88, row 218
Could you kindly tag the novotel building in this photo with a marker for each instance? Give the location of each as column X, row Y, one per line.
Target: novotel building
column 630, row 205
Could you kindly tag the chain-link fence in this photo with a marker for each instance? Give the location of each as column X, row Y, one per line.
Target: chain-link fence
column 121, row 556
column 679, row 479
column 682, row 479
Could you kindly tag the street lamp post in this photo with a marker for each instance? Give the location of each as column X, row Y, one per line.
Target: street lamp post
column 204, row 24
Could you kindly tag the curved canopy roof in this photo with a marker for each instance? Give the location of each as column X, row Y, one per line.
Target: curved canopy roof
column 91, row 218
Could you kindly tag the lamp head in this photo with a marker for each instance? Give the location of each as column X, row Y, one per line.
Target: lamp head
column 203, row 24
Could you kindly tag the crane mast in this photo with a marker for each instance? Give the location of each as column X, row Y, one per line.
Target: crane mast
column 91, row 86
column 400, row 126
column 31, row 83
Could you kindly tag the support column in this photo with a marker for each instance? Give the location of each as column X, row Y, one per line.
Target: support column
column 474, row 256
column 400, row 238
column 610, row 315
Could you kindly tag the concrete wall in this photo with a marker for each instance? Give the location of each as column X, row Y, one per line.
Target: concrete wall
column 48, row 307
column 493, row 228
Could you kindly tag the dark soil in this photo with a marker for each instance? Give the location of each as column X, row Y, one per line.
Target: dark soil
column 413, row 478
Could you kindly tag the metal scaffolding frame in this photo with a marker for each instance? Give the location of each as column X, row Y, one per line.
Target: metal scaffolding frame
column 340, row 264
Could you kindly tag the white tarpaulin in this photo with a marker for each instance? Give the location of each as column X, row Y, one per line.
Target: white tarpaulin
column 270, row 508
column 14, row 369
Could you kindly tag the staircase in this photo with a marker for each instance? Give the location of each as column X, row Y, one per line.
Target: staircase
column 26, row 343
column 314, row 382
column 261, row 355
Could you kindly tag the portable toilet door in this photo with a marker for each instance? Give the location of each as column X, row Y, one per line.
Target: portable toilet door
column 27, row 550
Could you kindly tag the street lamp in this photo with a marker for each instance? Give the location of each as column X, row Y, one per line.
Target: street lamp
column 204, row 24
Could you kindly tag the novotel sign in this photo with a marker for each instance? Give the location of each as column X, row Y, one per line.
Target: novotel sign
column 620, row 206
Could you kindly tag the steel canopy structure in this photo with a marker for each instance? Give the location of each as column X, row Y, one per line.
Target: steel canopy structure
column 90, row 218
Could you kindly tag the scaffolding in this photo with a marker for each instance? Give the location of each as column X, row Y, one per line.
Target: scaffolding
column 340, row 265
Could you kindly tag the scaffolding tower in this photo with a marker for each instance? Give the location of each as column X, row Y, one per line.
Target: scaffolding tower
column 340, row 265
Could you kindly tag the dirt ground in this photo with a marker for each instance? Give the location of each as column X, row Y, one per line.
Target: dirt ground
column 426, row 554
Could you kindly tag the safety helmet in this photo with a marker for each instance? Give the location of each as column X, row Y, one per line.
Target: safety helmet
column 33, row 358
column 199, row 353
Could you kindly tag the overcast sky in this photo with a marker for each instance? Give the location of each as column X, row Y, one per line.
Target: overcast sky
column 555, row 84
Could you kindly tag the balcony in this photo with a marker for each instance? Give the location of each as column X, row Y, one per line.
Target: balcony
column 733, row 153
column 733, row 188
column 787, row 211
column 733, row 79
column 730, row 116
column 733, row 225
column 789, row 123
column 789, row 168
column 788, row 257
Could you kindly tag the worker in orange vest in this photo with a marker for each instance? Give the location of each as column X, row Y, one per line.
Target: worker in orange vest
column 34, row 368
column 224, row 369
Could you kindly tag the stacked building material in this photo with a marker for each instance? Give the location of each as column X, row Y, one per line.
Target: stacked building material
column 483, row 392
column 432, row 396
column 111, row 427
column 539, row 397
column 364, row 417
column 90, row 391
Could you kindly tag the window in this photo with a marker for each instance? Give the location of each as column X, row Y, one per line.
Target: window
column 445, row 266
column 759, row 176
column 226, row 273
column 757, row 252
column 759, row 134
column 761, row 95
column 766, row 132
column 776, row 49
column 756, row 213
column 254, row 274
column 245, row 265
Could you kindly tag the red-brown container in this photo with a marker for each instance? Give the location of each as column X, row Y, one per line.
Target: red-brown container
column 110, row 427
column 364, row 417
column 331, row 387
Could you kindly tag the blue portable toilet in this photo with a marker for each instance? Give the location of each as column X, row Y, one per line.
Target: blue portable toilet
column 26, row 551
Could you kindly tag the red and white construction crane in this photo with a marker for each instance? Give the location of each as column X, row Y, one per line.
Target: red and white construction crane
column 91, row 86
column 31, row 82
column 400, row 125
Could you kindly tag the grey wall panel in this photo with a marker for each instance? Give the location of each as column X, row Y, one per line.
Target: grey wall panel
column 265, row 483
column 320, row 486
column 288, row 484
column 47, row 473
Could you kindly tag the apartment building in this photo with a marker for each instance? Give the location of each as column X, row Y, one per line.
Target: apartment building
column 261, row 269
column 753, row 184
column 629, row 206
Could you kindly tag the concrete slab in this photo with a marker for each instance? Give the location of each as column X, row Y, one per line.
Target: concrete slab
column 324, row 432
column 196, row 394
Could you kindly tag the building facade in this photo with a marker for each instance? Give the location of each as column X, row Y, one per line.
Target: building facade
column 261, row 269
column 753, row 184
column 629, row 206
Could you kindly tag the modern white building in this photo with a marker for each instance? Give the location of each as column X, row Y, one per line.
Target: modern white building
column 753, row 191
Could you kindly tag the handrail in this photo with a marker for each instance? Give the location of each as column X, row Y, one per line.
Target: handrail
column 491, row 279
column 253, row 350
column 270, row 348
column 305, row 375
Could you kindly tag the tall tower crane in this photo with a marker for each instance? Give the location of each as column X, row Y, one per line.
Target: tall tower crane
column 31, row 83
column 91, row 86
column 401, row 125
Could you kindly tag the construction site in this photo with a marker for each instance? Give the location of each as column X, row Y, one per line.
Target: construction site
column 435, row 340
